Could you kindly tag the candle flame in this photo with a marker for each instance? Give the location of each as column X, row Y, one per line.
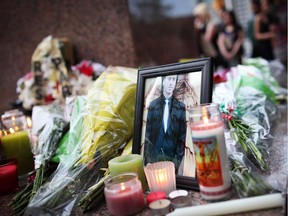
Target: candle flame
column 205, row 120
column 161, row 178
column 29, row 122
column 11, row 130
column 122, row 187
column 13, row 118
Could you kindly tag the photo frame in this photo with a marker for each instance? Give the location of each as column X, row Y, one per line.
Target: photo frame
column 192, row 86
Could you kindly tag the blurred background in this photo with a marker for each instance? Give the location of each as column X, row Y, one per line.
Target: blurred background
column 131, row 33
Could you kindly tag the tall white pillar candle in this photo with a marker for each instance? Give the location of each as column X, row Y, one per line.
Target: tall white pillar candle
column 207, row 131
column 232, row 206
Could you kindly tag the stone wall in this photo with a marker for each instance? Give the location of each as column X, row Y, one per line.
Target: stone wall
column 99, row 30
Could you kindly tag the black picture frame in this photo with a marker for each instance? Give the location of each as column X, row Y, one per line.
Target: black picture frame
column 193, row 68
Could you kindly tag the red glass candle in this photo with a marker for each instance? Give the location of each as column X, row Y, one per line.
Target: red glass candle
column 8, row 176
column 153, row 196
column 123, row 194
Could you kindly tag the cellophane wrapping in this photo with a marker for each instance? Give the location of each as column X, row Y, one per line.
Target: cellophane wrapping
column 107, row 121
column 248, row 102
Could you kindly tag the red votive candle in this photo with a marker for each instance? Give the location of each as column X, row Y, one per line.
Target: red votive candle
column 8, row 176
column 123, row 194
column 153, row 196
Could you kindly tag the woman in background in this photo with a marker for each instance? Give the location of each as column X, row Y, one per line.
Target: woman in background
column 230, row 40
column 264, row 32
column 207, row 33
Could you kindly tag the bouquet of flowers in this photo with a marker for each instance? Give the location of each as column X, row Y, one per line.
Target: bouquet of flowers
column 107, row 126
column 48, row 127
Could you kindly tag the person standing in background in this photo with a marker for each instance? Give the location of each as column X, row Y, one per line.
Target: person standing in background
column 166, row 126
column 255, row 7
column 230, row 40
column 207, row 34
column 264, row 32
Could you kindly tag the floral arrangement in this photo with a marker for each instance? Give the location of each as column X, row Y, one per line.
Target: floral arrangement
column 102, row 127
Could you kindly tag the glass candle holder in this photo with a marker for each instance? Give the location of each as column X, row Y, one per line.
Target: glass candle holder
column 124, row 194
column 207, row 129
column 14, row 119
column 161, row 176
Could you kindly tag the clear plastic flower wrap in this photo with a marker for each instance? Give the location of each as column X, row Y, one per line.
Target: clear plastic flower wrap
column 247, row 181
column 48, row 128
column 249, row 109
column 107, row 126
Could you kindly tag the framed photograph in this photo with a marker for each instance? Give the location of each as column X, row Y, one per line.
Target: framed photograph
column 165, row 94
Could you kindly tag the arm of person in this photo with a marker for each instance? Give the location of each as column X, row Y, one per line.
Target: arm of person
column 222, row 48
column 238, row 43
column 261, row 36
column 210, row 32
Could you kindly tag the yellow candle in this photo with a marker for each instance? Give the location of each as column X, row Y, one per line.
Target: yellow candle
column 128, row 163
column 17, row 145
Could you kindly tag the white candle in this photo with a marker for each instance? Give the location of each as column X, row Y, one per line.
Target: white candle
column 160, row 207
column 232, row 206
column 161, row 176
column 177, row 193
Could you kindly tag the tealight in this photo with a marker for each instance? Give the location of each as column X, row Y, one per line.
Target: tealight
column 177, row 193
column 160, row 207
column 153, row 196
column 181, row 201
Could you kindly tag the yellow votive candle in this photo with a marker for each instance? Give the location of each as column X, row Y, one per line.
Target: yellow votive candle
column 128, row 163
column 17, row 145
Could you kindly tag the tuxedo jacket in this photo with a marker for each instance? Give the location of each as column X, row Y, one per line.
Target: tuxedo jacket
column 160, row 145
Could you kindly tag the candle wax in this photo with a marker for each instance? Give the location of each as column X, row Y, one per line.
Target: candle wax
column 128, row 163
column 177, row 193
column 181, row 201
column 17, row 145
column 160, row 207
column 153, row 196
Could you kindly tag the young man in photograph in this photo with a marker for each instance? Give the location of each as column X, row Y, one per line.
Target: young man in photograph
column 166, row 126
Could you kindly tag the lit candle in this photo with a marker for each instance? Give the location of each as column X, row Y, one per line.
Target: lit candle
column 128, row 163
column 212, row 165
column 14, row 119
column 161, row 176
column 153, row 196
column 123, row 194
column 232, row 206
column 8, row 176
column 160, row 207
column 17, row 145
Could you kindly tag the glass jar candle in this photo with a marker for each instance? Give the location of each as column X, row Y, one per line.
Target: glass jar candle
column 14, row 119
column 207, row 129
column 124, row 194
